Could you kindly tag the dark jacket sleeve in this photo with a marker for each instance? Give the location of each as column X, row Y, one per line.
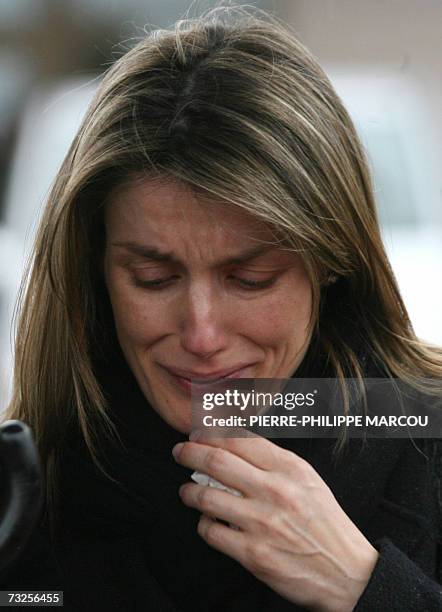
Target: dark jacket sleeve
column 399, row 584
column 406, row 531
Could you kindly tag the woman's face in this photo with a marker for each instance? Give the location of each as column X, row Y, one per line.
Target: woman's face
column 196, row 294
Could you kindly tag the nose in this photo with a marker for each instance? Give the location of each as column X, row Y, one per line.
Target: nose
column 202, row 322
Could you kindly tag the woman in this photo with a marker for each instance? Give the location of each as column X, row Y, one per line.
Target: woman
column 214, row 217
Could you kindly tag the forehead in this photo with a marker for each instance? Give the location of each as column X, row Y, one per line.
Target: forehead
column 168, row 211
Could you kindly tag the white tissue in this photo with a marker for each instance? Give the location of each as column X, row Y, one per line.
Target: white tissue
column 208, row 481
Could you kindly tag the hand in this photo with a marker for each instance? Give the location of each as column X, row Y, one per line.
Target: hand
column 293, row 535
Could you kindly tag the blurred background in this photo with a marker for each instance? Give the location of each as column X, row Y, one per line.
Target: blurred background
column 383, row 56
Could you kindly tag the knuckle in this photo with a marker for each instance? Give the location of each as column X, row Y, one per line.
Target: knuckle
column 282, row 496
column 206, row 500
column 271, row 524
column 202, row 527
column 300, row 470
column 209, row 532
column 257, row 557
column 301, row 465
column 263, row 520
column 306, row 475
column 289, row 457
column 276, row 491
column 215, row 459
column 294, row 505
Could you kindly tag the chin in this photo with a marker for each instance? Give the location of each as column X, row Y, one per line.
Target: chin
column 184, row 428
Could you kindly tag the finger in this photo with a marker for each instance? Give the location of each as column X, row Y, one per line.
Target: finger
column 231, row 470
column 229, row 541
column 254, row 449
column 217, row 504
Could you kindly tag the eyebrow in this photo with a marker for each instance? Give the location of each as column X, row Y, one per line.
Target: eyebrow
column 157, row 255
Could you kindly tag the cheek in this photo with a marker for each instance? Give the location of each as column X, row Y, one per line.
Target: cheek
column 137, row 319
column 280, row 319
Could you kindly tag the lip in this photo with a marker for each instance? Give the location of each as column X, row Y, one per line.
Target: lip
column 186, row 382
column 205, row 378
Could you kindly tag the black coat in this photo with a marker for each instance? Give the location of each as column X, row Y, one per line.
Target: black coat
column 134, row 546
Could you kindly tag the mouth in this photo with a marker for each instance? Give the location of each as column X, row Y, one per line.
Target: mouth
column 186, row 381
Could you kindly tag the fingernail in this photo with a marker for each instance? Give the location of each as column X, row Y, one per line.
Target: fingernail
column 194, row 435
column 176, row 450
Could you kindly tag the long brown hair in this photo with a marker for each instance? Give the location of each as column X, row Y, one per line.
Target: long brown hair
column 233, row 105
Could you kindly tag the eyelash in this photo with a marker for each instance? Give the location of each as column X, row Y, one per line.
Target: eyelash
column 162, row 283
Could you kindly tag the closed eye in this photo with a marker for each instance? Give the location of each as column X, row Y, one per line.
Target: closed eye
column 163, row 283
column 155, row 283
column 253, row 284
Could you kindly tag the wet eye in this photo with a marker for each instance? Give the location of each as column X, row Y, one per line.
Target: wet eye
column 155, row 283
column 253, row 284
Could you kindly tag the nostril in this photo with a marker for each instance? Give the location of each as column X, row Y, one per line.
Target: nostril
column 14, row 428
